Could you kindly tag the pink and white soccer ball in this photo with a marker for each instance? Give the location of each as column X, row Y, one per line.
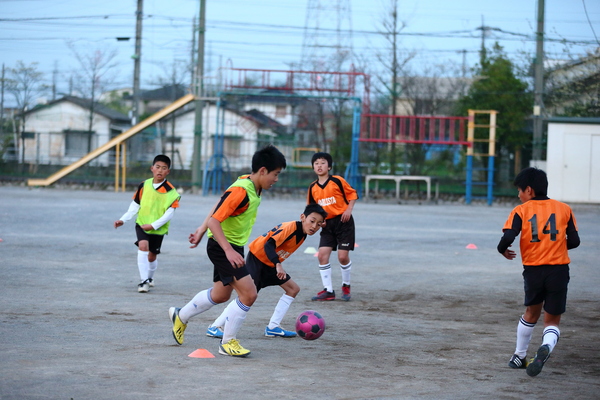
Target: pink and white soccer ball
column 310, row 325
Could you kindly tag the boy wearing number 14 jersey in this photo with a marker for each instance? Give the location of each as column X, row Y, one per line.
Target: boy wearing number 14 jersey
column 548, row 230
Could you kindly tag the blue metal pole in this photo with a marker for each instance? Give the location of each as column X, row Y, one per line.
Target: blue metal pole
column 469, row 183
column 352, row 174
column 490, row 182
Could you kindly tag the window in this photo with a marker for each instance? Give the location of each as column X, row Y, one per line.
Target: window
column 232, row 147
column 77, row 143
column 280, row 111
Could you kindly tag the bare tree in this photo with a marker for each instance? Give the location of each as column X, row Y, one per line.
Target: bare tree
column 573, row 87
column 95, row 75
column 25, row 84
column 393, row 60
column 174, row 80
column 433, row 90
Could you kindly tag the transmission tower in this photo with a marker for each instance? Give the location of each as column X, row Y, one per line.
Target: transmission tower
column 327, row 43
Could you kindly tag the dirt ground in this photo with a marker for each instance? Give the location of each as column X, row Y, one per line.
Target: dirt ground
column 428, row 319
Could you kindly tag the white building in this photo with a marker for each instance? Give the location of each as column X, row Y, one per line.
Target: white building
column 573, row 159
column 58, row 132
column 242, row 133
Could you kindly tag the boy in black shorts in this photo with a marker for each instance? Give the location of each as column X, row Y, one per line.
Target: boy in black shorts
column 229, row 225
column 154, row 203
column 548, row 230
column 265, row 256
column 337, row 197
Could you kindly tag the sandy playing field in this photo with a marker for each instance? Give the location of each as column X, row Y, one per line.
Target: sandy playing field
column 429, row 318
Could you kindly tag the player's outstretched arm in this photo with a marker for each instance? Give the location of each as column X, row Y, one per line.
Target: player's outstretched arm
column 196, row 237
column 131, row 212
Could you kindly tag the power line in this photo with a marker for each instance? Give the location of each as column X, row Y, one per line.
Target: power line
column 588, row 19
column 298, row 30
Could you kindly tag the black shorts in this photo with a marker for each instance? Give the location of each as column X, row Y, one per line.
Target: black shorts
column 547, row 284
column 262, row 274
column 337, row 234
column 223, row 270
column 154, row 241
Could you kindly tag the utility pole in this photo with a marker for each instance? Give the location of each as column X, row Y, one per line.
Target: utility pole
column 483, row 53
column 538, row 105
column 199, row 92
column 137, row 59
column 463, row 84
column 193, row 58
column 54, row 75
column 2, row 101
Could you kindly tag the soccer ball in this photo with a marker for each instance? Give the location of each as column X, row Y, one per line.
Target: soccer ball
column 310, row 325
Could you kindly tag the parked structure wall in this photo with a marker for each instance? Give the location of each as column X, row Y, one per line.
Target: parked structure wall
column 573, row 161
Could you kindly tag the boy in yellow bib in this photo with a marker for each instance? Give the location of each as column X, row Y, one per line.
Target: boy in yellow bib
column 154, row 203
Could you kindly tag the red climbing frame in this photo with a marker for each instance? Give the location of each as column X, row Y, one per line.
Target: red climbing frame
column 291, row 81
column 414, row 129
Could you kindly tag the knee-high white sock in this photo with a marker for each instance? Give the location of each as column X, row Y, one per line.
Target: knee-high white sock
column 200, row 303
column 325, row 271
column 282, row 307
column 551, row 336
column 143, row 264
column 235, row 317
column 524, row 333
column 152, row 268
column 346, row 273
column 221, row 319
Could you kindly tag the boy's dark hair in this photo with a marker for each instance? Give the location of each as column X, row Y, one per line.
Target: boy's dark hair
column 534, row 178
column 324, row 155
column 163, row 158
column 269, row 157
column 314, row 208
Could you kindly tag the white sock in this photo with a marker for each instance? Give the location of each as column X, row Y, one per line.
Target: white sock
column 346, row 273
column 152, row 268
column 221, row 319
column 282, row 307
column 325, row 271
column 524, row 333
column 143, row 264
column 200, row 303
column 551, row 336
column 235, row 318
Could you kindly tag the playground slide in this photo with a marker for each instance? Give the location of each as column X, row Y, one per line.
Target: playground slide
column 113, row 142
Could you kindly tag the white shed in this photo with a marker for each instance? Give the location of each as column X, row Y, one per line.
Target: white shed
column 58, row 132
column 573, row 159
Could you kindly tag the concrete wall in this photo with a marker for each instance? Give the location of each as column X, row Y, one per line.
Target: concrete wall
column 573, row 162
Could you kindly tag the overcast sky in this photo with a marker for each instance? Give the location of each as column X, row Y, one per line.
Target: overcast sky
column 269, row 34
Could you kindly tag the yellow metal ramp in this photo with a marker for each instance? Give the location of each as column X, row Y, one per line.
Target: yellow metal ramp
column 113, row 142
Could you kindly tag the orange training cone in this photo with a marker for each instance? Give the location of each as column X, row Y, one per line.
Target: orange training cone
column 201, row 353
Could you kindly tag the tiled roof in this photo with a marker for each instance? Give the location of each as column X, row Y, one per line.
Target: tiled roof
column 87, row 104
